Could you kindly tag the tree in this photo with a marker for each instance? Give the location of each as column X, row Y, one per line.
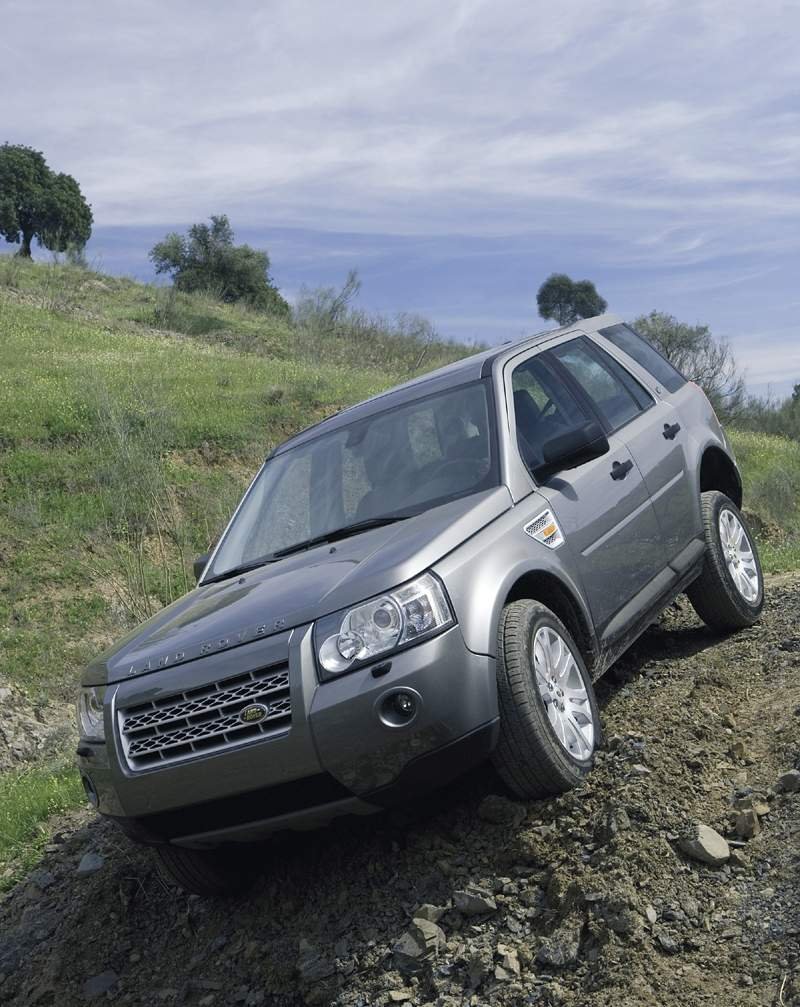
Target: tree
column 566, row 300
column 35, row 202
column 208, row 260
column 704, row 359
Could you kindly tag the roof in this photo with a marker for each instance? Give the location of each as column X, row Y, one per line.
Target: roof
column 470, row 368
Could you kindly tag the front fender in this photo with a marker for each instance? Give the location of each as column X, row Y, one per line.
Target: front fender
column 481, row 574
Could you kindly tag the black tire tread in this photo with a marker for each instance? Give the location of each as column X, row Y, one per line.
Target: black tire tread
column 528, row 759
column 713, row 595
column 201, row 872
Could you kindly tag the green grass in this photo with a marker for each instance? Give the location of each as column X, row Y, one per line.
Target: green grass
column 27, row 800
column 771, row 473
column 131, row 419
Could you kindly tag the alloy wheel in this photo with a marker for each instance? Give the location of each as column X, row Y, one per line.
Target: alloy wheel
column 563, row 693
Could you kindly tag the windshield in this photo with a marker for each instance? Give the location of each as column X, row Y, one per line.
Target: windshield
column 391, row 464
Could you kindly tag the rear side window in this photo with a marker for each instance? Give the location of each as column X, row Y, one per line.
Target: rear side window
column 646, row 355
column 615, row 393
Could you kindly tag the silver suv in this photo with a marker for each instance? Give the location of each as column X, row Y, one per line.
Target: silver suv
column 428, row 578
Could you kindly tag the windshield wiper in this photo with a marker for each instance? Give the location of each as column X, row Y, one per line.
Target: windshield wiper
column 234, row 571
column 329, row 536
column 338, row 533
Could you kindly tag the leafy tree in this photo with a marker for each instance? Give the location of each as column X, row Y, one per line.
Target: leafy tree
column 35, row 202
column 566, row 300
column 208, row 260
column 693, row 349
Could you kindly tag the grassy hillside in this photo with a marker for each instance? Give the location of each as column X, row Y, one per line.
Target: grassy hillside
column 130, row 421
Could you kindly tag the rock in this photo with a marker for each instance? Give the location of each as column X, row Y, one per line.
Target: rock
column 563, row 892
column 429, row 934
column 563, row 944
column 638, row 769
column 474, row 902
column 423, row 939
column 747, row 824
column 91, row 863
column 41, row 878
column 509, row 961
column 751, row 803
column 706, row 845
column 429, row 912
column 501, row 811
column 691, row 907
column 651, row 915
column 312, row 965
column 401, row 995
column 788, row 783
column 739, row 859
column 619, row 912
column 479, row 964
column 738, row 751
column 98, row 985
column 667, row 943
column 613, row 821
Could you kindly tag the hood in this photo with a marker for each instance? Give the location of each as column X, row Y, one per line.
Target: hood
column 296, row 590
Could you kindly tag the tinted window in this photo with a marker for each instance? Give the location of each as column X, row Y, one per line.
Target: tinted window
column 406, row 458
column 544, row 407
column 616, row 395
column 646, row 355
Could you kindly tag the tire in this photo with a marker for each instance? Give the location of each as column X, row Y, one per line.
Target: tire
column 530, row 758
column 206, row 872
column 716, row 596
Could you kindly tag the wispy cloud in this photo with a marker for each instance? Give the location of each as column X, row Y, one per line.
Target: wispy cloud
column 660, row 139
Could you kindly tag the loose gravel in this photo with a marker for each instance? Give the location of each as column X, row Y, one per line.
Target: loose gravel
column 594, row 899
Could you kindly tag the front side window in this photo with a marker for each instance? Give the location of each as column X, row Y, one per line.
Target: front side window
column 615, row 393
column 544, row 408
column 393, row 463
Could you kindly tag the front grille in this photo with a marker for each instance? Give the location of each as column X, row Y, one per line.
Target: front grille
column 205, row 719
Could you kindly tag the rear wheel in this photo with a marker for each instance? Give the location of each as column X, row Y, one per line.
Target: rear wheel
column 549, row 721
column 207, row 872
column 729, row 593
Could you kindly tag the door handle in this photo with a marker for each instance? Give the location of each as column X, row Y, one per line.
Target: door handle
column 671, row 430
column 620, row 469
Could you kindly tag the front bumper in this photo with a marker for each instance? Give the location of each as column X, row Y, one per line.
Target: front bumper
column 338, row 756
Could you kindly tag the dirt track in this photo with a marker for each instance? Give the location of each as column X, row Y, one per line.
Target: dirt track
column 582, row 901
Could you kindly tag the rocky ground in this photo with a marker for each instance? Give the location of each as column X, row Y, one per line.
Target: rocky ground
column 597, row 898
column 31, row 732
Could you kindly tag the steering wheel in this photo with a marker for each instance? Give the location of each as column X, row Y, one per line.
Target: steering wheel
column 545, row 407
column 440, row 474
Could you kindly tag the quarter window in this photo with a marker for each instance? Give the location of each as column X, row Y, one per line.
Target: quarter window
column 615, row 393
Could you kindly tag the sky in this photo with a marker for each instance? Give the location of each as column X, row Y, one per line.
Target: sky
column 454, row 153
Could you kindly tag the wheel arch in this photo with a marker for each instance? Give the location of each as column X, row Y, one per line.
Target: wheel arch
column 718, row 472
column 549, row 589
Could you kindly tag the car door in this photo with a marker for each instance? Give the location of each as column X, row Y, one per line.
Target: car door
column 660, row 445
column 602, row 506
column 654, row 436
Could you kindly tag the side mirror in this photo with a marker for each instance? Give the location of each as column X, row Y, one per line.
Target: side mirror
column 573, row 448
column 200, row 564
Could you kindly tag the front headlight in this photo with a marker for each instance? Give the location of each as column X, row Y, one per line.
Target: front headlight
column 91, row 725
column 348, row 639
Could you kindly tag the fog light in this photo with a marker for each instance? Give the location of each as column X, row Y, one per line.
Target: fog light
column 404, row 704
column 399, row 707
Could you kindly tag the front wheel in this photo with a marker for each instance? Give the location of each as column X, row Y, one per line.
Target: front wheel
column 729, row 593
column 549, row 721
column 206, row 872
